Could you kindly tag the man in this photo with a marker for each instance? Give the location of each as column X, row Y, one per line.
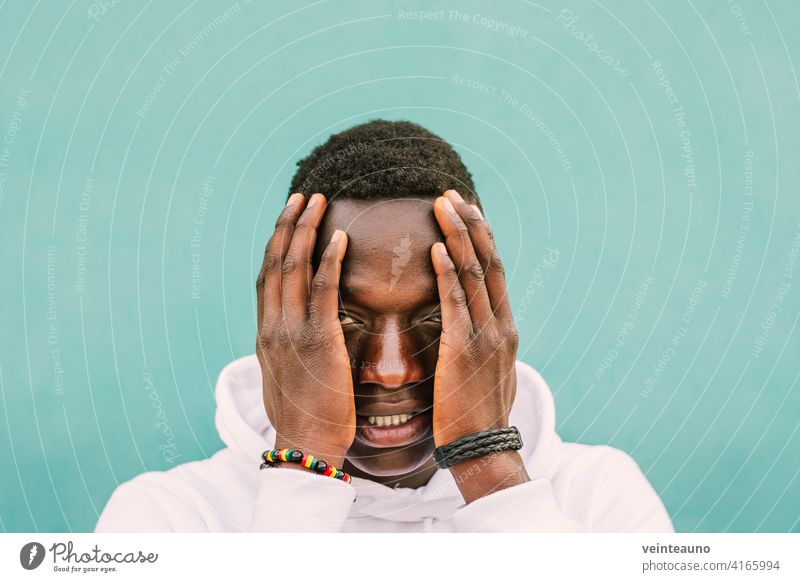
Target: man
column 384, row 331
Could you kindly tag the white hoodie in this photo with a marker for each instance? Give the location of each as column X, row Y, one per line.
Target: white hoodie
column 573, row 487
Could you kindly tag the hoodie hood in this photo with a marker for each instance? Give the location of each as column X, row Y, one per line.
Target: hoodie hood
column 244, row 427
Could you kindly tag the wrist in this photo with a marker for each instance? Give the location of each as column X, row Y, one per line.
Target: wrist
column 472, row 425
column 494, row 472
column 331, row 454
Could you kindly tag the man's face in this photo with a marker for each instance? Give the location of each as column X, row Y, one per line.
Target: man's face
column 389, row 309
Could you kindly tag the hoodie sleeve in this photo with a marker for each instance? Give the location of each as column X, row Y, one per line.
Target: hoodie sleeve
column 286, row 501
column 151, row 502
column 300, row 501
column 601, row 490
column 130, row 511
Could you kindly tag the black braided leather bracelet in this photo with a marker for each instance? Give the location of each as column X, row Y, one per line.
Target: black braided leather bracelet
column 477, row 445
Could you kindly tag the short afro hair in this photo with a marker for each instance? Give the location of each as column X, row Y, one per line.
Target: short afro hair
column 383, row 159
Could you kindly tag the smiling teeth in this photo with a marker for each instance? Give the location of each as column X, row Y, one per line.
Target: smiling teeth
column 392, row 420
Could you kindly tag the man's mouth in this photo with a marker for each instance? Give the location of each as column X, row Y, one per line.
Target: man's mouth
column 390, row 419
column 394, row 430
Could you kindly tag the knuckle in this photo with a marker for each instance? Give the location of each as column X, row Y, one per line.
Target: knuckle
column 308, row 337
column 267, row 266
column 263, row 341
column 303, row 226
column 474, row 221
column 283, row 222
column 321, row 282
column 458, row 297
column 328, row 256
column 281, row 336
column 271, row 263
column 512, row 335
column 490, row 338
column 474, row 272
column 290, row 265
column 495, row 264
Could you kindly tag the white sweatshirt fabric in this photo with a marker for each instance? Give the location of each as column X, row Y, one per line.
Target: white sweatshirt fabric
column 573, row 487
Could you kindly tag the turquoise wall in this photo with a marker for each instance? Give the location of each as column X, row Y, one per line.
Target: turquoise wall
column 638, row 162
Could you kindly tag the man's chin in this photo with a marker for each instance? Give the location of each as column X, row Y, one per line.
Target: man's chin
column 392, row 462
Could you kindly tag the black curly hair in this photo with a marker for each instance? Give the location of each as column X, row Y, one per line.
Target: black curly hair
column 383, row 159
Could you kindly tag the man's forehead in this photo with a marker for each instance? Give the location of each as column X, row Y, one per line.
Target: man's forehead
column 381, row 225
column 389, row 243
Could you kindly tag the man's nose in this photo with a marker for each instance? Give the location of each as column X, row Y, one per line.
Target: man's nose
column 390, row 361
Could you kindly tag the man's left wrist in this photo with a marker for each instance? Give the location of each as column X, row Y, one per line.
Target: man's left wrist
column 488, row 474
column 456, row 431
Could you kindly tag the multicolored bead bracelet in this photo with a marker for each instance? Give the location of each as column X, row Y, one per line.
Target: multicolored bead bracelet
column 273, row 456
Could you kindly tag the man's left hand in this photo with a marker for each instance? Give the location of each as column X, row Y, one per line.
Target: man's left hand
column 475, row 381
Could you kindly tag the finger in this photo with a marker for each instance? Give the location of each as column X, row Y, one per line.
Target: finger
column 324, row 302
column 297, row 270
column 485, row 249
column 470, row 272
column 268, row 283
column 455, row 314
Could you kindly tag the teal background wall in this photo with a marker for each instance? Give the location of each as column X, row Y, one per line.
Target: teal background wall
column 638, row 161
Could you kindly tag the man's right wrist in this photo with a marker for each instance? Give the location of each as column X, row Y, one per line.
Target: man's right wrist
column 331, row 455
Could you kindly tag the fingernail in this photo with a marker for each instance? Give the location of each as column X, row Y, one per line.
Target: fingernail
column 456, row 195
column 478, row 210
column 449, row 205
column 440, row 248
column 293, row 198
column 314, row 200
column 337, row 236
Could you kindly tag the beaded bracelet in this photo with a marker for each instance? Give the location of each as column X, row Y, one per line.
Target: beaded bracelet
column 319, row 466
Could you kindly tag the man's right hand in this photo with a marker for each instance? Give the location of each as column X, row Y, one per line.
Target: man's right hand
column 305, row 367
